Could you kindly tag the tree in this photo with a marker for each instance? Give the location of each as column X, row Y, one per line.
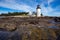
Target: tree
column 14, row 13
column 41, row 14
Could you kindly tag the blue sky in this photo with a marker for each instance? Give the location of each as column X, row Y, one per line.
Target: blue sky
column 48, row 7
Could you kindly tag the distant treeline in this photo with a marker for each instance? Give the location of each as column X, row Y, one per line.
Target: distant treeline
column 14, row 13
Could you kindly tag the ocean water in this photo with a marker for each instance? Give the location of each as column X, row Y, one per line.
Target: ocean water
column 4, row 35
column 53, row 27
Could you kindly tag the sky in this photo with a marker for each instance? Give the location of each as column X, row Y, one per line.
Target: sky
column 48, row 7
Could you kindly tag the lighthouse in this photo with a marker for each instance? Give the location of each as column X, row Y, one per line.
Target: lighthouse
column 38, row 11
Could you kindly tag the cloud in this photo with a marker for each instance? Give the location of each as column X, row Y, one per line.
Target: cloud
column 46, row 10
column 49, row 10
column 50, row 1
column 13, row 5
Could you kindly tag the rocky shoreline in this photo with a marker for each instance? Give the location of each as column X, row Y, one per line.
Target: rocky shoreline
column 30, row 28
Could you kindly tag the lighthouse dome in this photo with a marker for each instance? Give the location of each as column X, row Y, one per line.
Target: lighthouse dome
column 38, row 7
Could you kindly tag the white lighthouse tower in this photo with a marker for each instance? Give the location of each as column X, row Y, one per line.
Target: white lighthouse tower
column 38, row 11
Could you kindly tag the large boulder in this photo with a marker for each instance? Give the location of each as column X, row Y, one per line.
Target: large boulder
column 10, row 27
